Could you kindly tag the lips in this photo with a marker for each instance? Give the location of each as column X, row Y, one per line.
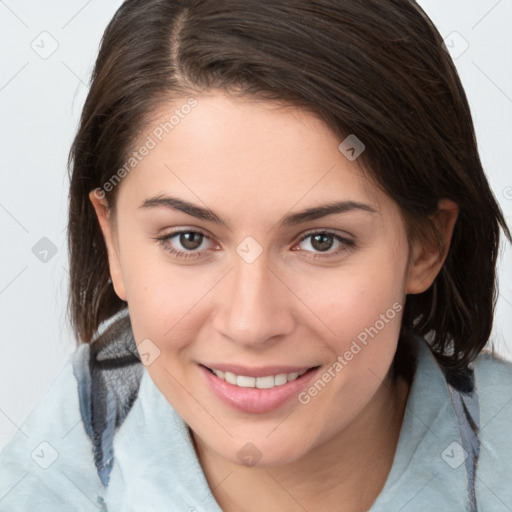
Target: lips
column 261, row 371
column 245, row 395
column 266, row 381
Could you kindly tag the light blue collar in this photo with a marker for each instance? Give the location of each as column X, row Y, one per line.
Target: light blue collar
column 428, row 471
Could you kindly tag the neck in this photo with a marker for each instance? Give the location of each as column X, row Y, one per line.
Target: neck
column 345, row 473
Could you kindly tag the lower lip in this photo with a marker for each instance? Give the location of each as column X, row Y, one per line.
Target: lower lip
column 255, row 400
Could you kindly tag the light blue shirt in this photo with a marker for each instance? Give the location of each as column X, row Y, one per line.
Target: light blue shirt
column 49, row 466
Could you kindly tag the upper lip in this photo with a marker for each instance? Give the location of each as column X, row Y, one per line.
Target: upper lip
column 256, row 371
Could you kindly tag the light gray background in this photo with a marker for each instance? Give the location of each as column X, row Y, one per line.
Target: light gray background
column 41, row 95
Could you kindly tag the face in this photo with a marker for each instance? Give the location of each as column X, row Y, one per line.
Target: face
column 245, row 242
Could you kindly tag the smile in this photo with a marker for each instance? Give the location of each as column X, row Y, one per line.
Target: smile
column 266, row 390
column 267, row 382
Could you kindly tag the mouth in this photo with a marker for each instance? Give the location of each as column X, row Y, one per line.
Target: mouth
column 268, row 381
column 264, row 391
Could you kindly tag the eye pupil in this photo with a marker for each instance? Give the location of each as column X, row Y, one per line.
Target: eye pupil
column 191, row 240
column 322, row 241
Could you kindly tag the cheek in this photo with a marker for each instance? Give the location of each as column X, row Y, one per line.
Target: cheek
column 162, row 296
column 362, row 306
column 169, row 311
column 366, row 294
column 363, row 313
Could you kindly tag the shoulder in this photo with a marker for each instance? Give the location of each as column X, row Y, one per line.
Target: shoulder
column 49, row 464
column 493, row 369
column 493, row 380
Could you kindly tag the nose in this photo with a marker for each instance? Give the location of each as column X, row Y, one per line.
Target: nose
column 254, row 307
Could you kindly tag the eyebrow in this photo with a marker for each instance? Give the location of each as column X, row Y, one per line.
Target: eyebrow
column 291, row 219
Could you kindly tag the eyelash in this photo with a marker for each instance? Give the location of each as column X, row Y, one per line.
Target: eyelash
column 345, row 244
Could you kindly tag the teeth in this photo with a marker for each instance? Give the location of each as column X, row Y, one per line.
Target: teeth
column 266, row 382
column 245, row 382
column 229, row 377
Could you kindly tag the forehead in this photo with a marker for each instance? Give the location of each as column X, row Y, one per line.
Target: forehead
column 245, row 155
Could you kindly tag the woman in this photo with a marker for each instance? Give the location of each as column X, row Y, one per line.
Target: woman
column 282, row 256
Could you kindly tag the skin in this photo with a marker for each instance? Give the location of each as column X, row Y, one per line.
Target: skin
column 286, row 307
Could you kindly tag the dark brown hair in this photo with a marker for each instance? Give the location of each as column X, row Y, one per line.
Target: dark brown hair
column 373, row 68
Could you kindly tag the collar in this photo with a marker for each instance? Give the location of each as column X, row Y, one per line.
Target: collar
column 428, row 469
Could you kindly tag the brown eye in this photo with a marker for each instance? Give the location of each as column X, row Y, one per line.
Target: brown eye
column 324, row 244
column 191, row 240
column 322, row 241
column 185, row 244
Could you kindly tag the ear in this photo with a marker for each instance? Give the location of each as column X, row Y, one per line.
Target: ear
column 427, row 258
column 103, row 212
